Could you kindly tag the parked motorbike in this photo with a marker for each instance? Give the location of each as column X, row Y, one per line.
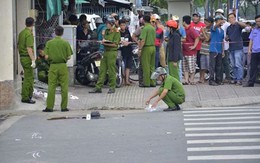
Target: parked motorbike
column 88, row 63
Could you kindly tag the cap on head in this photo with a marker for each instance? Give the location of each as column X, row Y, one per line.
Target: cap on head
column 219, row 11
column 209, row 19
column 156, row 16
column 172, row 24
column 159, row 71
column 98, row 20
column 219, row 17
column 196, row 14
column 175, row 17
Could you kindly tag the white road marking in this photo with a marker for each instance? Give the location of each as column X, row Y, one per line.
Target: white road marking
column 205, row 141
column 221, row 108
column 216, row 115
column 229, row 148
column 220, row 123
column 221, row 118
column 216, row 111
column 222, row 128
column 224, row 157
column 224, row 134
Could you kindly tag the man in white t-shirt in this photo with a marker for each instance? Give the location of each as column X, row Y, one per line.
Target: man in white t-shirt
column 225, row 59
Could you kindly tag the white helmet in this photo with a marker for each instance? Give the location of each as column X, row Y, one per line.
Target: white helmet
column 219, row 11
column 159, row 71
column 156, row 16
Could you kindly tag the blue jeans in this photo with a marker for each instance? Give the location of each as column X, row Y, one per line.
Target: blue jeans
column 180, row 69
column 236, row 59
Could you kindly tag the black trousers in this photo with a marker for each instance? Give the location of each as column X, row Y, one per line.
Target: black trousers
column 255, row 60
column 215, row 67
column 198, row 58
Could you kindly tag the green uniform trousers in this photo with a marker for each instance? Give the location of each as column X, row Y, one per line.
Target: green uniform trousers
column 107, row 66
column 43, row 76
column 58, row 74
column 172, row 98
column 148, row 64
column 174, row 71
column 27, row 86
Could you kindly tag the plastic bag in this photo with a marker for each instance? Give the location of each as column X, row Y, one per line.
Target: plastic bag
column 149, row 108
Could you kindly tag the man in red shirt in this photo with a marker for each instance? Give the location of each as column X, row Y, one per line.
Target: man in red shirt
column 198, row 25
column 189, row 51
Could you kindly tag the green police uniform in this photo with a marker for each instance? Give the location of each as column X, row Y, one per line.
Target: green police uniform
column 148, row 34
column 26, row 40
column 176, row 94
column 58, row 51
column 108, row 62
column 43, row 68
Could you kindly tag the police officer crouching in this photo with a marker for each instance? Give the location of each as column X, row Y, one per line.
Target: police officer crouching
column 58, row 51
column 171, row 90
column 111, row 39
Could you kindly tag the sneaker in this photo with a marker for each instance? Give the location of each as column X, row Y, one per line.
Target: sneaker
column 170, row 109
column 95, row 90
column 64, row 110
column 213, row 84
column 220, row 83
column 226, row 81
column 47, row 110
column 111, row 91
column 178, row 107
column 233, row 82
column 248, row 85
column 239, row 83
column 30, row 101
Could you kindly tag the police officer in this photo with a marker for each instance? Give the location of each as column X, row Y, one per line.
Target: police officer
column 147, row 52
column 171, row 90
column 110, row 41
column 58, row 51
column 27, row 59
column 42, row 64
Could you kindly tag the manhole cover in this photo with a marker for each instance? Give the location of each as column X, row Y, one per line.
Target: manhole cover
column 3, row 117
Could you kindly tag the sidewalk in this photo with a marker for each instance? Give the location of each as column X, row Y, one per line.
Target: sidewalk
column 133, row 97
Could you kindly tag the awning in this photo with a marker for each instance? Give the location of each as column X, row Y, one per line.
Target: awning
column 120, row 3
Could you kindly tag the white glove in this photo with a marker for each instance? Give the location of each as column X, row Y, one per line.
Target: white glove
column 33, row 65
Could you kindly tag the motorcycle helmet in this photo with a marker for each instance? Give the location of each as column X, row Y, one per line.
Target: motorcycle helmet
column 110, row 20
column 126, row 18
column 172, row 24
column 159, row 71
column 99, row 21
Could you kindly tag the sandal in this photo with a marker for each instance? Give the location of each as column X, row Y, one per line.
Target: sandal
column 201, row 82
column 192, row 83
column 185, row 83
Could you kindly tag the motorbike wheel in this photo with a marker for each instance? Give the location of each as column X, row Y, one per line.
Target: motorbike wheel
column 119, row 75
column 81, row 76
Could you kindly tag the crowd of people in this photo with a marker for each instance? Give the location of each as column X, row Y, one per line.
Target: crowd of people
column 171, row 53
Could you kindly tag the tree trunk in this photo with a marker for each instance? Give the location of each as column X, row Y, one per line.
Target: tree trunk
column 212, row 8
column 206, row 8
column 220, row 4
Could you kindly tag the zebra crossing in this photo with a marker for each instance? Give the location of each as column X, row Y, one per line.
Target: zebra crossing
column 223, row 134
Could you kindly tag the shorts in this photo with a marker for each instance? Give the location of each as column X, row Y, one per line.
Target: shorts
column 128, row 61
column 204, row 62
column 189, row 64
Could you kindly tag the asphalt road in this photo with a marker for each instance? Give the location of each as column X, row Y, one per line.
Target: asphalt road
column 194, row 135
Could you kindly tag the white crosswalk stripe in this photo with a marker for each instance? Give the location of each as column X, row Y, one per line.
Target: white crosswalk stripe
column 222, row 134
